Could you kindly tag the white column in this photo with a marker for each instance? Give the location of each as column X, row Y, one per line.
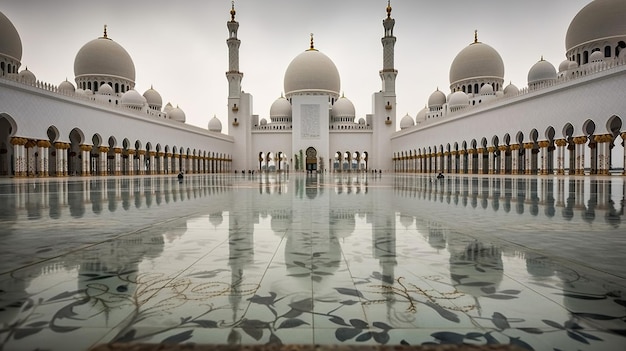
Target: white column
column 103, row 160
column 131, row 162
column 85, row 151
column 603, row 143
column 142, row 162
column 560, row 156
column 623, row 135
column 514, row 158
column 491, row 160
column 19, row 162
column 502, row 156
column 480, row 160
column 44, row 150
column 580, row 154
column 117, row 161
column 462, row 154
column 470, row 161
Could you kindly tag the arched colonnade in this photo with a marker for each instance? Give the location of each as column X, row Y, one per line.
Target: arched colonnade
column 590, row 151
column 24, row 157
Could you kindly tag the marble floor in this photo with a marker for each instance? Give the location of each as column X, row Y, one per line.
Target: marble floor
column 536, row 262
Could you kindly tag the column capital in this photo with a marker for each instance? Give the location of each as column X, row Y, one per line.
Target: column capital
column 44, row 143
column 560, row 142
column 85, row 147
column 544, row 143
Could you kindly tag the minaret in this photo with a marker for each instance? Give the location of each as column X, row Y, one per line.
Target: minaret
column 388, row 73
column 233, row 75
column 383, row 119
column 239, row 103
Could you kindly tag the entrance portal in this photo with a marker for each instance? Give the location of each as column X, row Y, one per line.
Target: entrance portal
column 311, row 160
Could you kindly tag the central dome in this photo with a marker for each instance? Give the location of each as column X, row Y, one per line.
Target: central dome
column 312, row 71
column 104, row 57
column 476, row 61
column 599, row 20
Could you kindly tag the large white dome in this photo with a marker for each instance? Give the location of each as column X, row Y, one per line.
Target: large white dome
column 312, row 71
column 104, row 57
column 599, row 20
column 476, row 61
column 10, row 42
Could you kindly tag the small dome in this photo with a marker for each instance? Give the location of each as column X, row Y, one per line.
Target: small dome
column 176, row 114
column 541, row 71
column 486, row 89
column 574, row 64
column 27, row 77
column 436, row 99
column 105, row 89
column 67, row 88
column 263, row 121
column 343, row 108
column 478, row 60
column 153, row 98
column 458, row 99
column 312, row 71
column 564, row 66
column 80, row 92
column 596, row 56
column 406, row 122
column 599, row 20
column 133, row 98
column 511, row 90
column 10, row 42
column 280, row 108
column 104, row 57
column 421, row 116
column 168, row 107
column 215, row 125
column 361, row 121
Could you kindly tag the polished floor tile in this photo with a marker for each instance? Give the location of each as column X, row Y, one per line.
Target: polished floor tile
column 323, row 259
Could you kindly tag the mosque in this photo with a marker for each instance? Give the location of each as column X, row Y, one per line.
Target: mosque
column 565, row 121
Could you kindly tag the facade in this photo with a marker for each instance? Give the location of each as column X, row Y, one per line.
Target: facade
column 566, row 121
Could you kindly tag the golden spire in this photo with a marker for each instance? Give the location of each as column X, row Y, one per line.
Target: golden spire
column 232, row 11
column 475, row 36
column 388, row 8
column 105, row 32
column 312, row 46
column 541, row 58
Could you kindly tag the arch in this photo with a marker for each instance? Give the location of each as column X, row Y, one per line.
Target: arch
column 568, row 130
column 614, row 125
column 519, row 138
column 507, row 139
column 589, row 127
column 550, row 133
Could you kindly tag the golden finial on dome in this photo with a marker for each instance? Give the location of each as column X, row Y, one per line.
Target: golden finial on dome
column 312, row 46
column 232, row 11
column 541, row 58
column 475, row 36
column 105, row 32
column 388, row 8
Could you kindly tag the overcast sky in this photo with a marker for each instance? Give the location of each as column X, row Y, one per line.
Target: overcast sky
column 179, row 47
